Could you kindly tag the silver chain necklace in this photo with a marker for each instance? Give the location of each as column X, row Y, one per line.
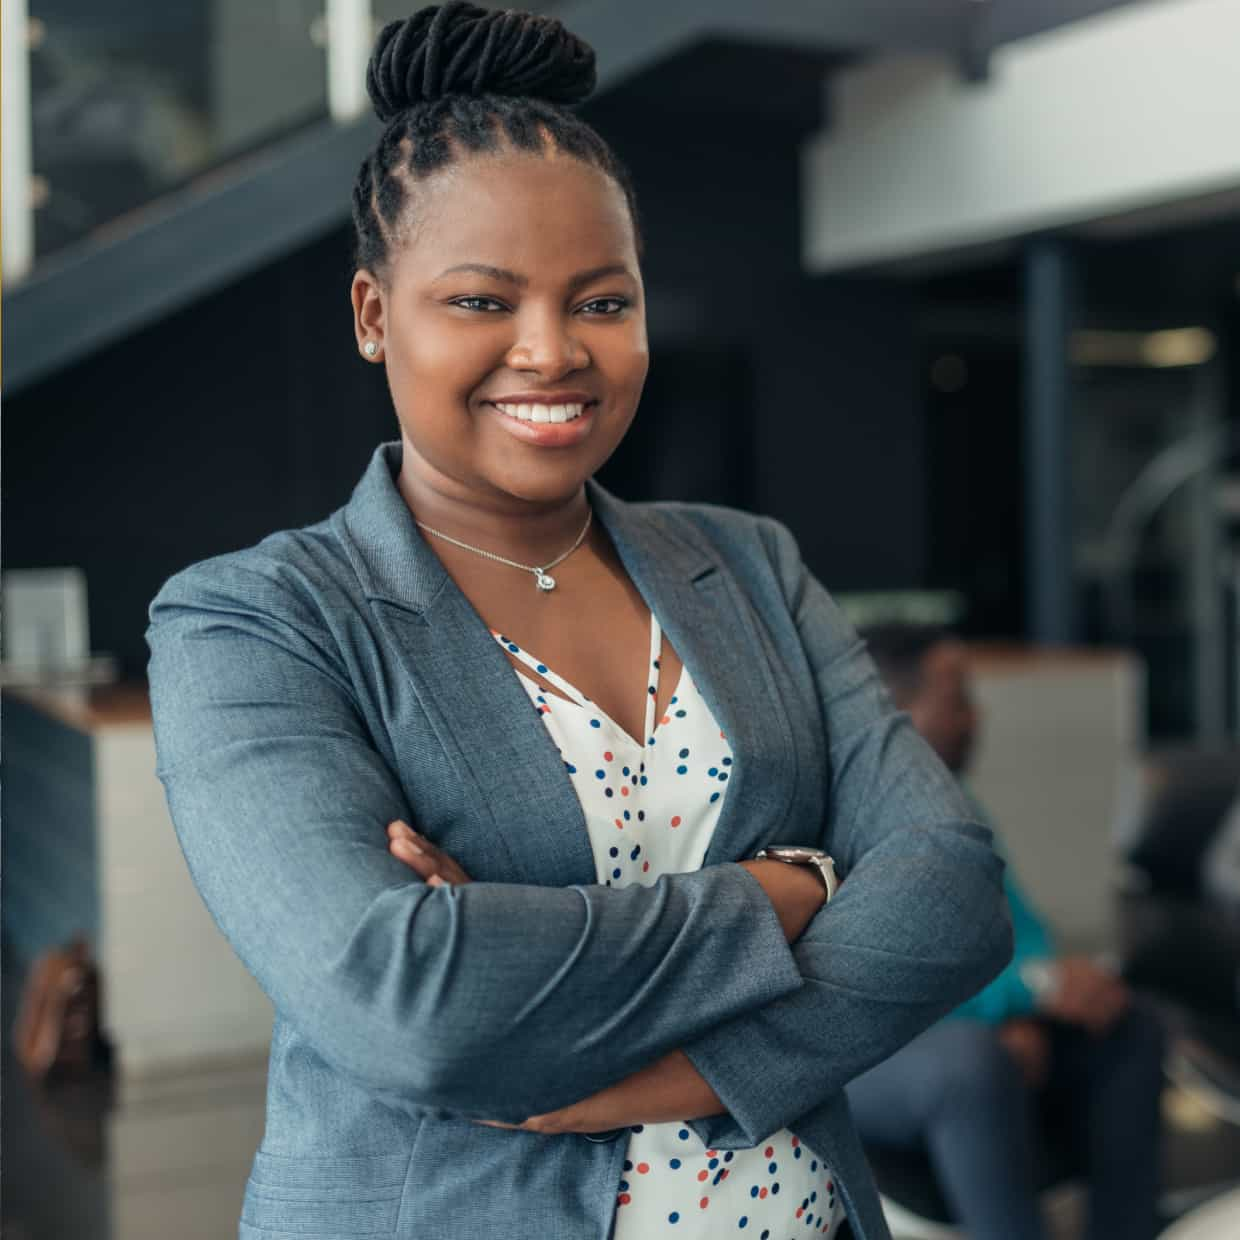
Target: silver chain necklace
column 542, row 579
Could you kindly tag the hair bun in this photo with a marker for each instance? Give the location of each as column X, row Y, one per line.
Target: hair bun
column 461, row 49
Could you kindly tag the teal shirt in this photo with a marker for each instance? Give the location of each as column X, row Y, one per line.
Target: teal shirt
column 1007, row 996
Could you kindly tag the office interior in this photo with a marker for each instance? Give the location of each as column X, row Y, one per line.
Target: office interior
column 952, row 289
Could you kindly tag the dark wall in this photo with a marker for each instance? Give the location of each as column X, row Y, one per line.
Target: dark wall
column 251, row 411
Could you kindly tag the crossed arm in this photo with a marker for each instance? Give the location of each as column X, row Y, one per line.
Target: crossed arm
column 671, row 1089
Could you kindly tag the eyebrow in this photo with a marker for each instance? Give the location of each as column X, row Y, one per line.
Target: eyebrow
column 511, row 277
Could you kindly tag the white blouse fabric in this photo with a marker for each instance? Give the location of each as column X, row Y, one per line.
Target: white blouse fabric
column 650, row 810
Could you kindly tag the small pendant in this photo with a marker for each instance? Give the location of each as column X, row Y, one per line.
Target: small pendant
column 544, row 581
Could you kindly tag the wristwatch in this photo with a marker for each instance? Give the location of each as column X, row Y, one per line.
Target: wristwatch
column 801, row 854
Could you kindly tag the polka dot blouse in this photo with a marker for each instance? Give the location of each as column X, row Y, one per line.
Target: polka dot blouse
column 651, row 808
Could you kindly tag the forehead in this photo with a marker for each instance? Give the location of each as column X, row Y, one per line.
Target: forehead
column 537, row 214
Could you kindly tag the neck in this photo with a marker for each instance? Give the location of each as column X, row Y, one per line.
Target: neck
column 529, row 530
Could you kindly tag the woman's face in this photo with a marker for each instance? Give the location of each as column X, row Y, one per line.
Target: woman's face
column 512, row 327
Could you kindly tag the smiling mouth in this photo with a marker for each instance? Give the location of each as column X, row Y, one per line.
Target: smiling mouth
column 542, row 413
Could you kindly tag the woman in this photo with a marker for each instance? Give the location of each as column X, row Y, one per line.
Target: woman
column 486, row 667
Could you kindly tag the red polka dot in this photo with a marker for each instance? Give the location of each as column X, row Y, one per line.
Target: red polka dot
column 795, row 1142
column 624, row 1199
column 769, row 1152
column 676, row 820
column 722, row 737
column 666, row 719
column 800, row 1211
column 620, row 824
column 703, row 1174
column 711, row 1153
column 762, row 1194
column 624, row 792
column 643, row 1168
column 607, row 757
column 723, row 1175
column 645, row 866
column 704, row 1203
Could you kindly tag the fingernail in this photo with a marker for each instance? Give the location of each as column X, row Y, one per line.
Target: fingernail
column 404, row 845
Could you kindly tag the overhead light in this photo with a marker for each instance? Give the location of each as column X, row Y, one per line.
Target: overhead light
column 1178, row 346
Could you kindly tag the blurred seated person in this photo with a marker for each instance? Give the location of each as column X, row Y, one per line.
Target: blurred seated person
column 1054, row 1042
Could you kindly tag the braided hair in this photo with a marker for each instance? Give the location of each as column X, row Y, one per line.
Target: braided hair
column 457, row 79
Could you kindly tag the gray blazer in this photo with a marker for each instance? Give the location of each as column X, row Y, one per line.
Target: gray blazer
column 311, row 688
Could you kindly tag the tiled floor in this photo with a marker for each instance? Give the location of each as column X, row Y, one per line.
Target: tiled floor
column 168, row 1160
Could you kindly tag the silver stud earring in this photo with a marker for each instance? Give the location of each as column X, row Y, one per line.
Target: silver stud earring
column 370, row 348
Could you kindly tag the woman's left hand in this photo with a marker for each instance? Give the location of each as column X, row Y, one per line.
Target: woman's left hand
column 434, row 865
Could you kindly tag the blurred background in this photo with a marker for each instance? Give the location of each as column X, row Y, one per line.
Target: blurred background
column 951, row 287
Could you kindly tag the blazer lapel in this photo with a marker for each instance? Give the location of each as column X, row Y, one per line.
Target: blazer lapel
column 716, row 632
column 468, row 693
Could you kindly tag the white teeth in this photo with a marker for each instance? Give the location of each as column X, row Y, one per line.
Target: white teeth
column 541, row 413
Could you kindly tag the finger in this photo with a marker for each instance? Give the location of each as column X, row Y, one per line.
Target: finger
column 436, row 881
column 413, row 857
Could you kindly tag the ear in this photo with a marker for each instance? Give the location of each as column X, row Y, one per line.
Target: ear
column 369, row 312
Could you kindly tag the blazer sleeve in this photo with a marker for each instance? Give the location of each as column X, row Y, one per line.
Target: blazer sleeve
column 491, row 1000
column 918, row 925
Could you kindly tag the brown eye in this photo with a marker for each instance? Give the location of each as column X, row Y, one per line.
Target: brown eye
column 605, row 307
column 482, row 305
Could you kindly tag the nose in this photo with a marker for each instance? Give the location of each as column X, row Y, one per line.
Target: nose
column 547, row 345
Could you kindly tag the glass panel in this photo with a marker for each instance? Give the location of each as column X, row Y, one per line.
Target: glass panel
column 133, row 98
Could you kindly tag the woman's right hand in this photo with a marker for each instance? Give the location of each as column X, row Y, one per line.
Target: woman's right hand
column 795, row 891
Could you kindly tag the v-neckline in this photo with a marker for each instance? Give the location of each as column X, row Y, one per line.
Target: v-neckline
column 579, row 699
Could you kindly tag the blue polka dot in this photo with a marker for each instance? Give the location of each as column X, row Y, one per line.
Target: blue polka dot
column 607, row 792
column 625, row 771
column 674, row 1164
column 774, row 1189
column 641, row 815
column 673, row 699
column 673, row 1217
column 804, row 1203
column 633, row 854
column 572, row 770
column 626, row 815
column 600, row 774
column 797, row 1152
column 813, row 1166
column 753, row 1192
column 714, row 796
column 727, row 761
column 513, row 648
column 680, row 714
column 624, row 1186
column 628, row 1166
column 714, row 1162
column 714, row 770
column 615, row 873
column 614, row 851
column 718, row 1176
column 723, row 775
column 684, row 753
column 743, row 1222
column 656, row 662
column 680, row 770
column 650, row 741
column 652, row 690
column 594, row 723
column 812, row 1196
column 643, row 781
column 683, row 1134
column 637, row 1127
column 766, row 1235
column 773, row 1168
column 541, row 670
column 809, row 1218
column 728, row 1156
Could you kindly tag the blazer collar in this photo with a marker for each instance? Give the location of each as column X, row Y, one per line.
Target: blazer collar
column 394, row 562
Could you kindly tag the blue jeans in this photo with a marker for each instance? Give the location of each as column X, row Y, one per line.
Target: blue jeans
column 957, row 1093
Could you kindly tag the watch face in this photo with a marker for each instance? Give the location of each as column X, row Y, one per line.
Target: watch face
column 794, row 852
